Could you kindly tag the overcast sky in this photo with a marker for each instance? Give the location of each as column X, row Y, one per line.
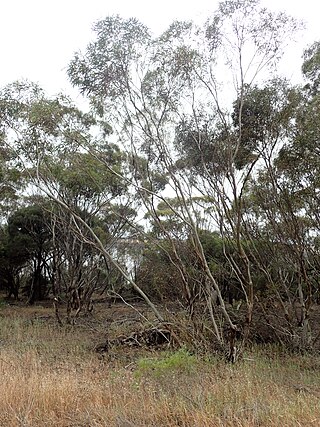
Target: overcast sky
column 39, row 37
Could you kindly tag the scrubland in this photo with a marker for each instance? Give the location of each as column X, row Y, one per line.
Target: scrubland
column 52, row 376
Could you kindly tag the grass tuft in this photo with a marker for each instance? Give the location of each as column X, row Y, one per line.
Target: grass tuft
column 178, row 362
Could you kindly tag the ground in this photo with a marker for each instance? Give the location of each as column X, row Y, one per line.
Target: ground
column 54, row 376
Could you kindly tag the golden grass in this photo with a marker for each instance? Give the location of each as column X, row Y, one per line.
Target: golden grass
column 51, row 377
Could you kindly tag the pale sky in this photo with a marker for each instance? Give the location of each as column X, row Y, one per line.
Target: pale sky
column 38, row 37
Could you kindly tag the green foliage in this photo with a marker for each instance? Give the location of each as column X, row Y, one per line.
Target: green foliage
column 204, row 145
column 157, row 275
column 31, row 225
column 83, row 175
column 261, row 116
column 311, row 66
column 118, row 43
column 179, row 362
column 3, row 303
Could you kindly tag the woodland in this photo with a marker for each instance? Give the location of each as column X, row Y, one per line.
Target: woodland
column 189, row 183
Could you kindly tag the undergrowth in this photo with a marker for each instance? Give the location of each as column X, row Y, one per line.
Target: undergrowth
column 51, row 376
column 180, row 361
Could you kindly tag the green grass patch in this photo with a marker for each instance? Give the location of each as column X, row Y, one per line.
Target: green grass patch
column 180, row 361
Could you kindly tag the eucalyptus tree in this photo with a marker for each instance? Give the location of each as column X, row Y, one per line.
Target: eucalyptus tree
column 10, row 178
column 294, row 189
column 170, row 102
column 30, row 239
column 90, row 210
column 280, row 201
column 50, row 140
column 14, row 257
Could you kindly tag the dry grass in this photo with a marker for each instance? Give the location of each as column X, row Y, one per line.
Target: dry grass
column 51, row 377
